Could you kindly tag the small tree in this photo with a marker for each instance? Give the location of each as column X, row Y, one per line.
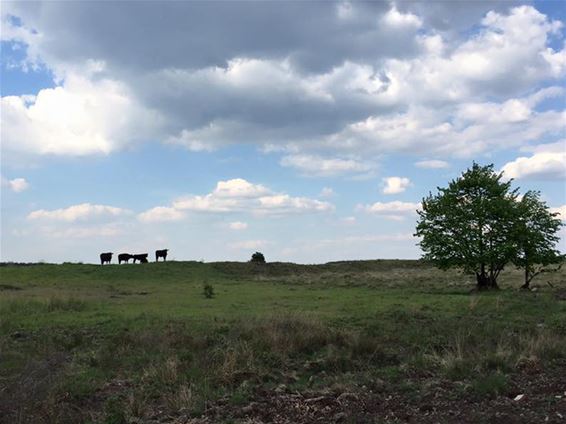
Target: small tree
column 258, row 258
column 536, row 236
column 469, row 224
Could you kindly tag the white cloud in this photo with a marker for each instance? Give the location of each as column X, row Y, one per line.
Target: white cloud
column 284, row 204
column 237, row 225
column 320, row 166
column 197, row 140
column 161, row 214
column 80, row 117
column 17, row 185
column 440, row 93
column 548, row 162
column 396, row 19
column 239, row 188
column 239, row 195
column 432, row 164
column 249, row 244
column 561, row 210
column 82, row 211
column 396, row 210
column 431, row 98
column 395, row 185
column 462, row 130
column 326, row 192
column 556, row 147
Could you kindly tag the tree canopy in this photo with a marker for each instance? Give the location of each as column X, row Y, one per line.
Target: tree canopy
column 479, row 224
column 258, row 258
column 536, row 236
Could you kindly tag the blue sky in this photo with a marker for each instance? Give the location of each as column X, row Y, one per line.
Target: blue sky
column 308, row 131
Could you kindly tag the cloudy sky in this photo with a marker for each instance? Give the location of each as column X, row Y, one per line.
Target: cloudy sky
column 307, row 130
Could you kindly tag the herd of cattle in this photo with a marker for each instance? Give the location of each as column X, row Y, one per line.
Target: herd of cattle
column 106, row 258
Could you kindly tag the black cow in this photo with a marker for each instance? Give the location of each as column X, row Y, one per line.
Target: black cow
column 124, row 257
column 161, row 254
column 142, row 257
column 105, row 258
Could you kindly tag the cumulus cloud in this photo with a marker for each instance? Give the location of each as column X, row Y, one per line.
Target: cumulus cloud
column 192, row 40
column 395, row 19
column 395, row 185
column 285, row 204
column 387, row 78
column 239, row 188
column 78, row 118
column 432, row 164
column 561, row 211
column 396, row 210
column 556, row 147
column 461, row 130
column 17, row 185
column 237, row 225
column 239, row 195
column 161, row 214
column 83, row 211
column 548, row 162
column 482, row 64
column 320, row 166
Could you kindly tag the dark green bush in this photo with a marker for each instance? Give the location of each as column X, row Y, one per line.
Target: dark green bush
column 208, row 290
column 258, row 258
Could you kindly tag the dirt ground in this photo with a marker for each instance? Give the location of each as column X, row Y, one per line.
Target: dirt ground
column 533, row 396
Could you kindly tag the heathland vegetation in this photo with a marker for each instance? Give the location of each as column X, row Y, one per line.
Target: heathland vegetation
column 368, row 341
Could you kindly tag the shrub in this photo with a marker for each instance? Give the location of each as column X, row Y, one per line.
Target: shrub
column 208, row 290
column 490, row 386
column 258, row 258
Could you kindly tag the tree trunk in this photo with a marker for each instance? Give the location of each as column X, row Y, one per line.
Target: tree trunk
column 482, row 281
column 493, row 283
column 527, row 279
column 486, row 282
column 526, row 285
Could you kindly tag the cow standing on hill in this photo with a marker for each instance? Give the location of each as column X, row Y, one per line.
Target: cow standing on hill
column 105, row 258
column 161, row 254
column 142, row 257
column 124, row 257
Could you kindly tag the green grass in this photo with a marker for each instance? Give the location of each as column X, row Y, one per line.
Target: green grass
column 114, row 343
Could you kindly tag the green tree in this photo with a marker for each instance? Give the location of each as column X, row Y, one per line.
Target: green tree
column 258, row 258
column 470, row 225
column 536, row 237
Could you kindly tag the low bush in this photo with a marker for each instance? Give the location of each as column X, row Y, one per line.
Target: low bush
column 257, row 258
column 208, row 290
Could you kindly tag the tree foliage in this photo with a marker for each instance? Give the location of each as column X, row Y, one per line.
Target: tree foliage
column 536, row 236
column 469, row 224
column 258, row 258
column 479, row 224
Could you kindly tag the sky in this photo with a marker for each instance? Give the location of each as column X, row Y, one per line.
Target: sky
column 309, row 131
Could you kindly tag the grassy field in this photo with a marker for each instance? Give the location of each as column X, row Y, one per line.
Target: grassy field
column 355, row 342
